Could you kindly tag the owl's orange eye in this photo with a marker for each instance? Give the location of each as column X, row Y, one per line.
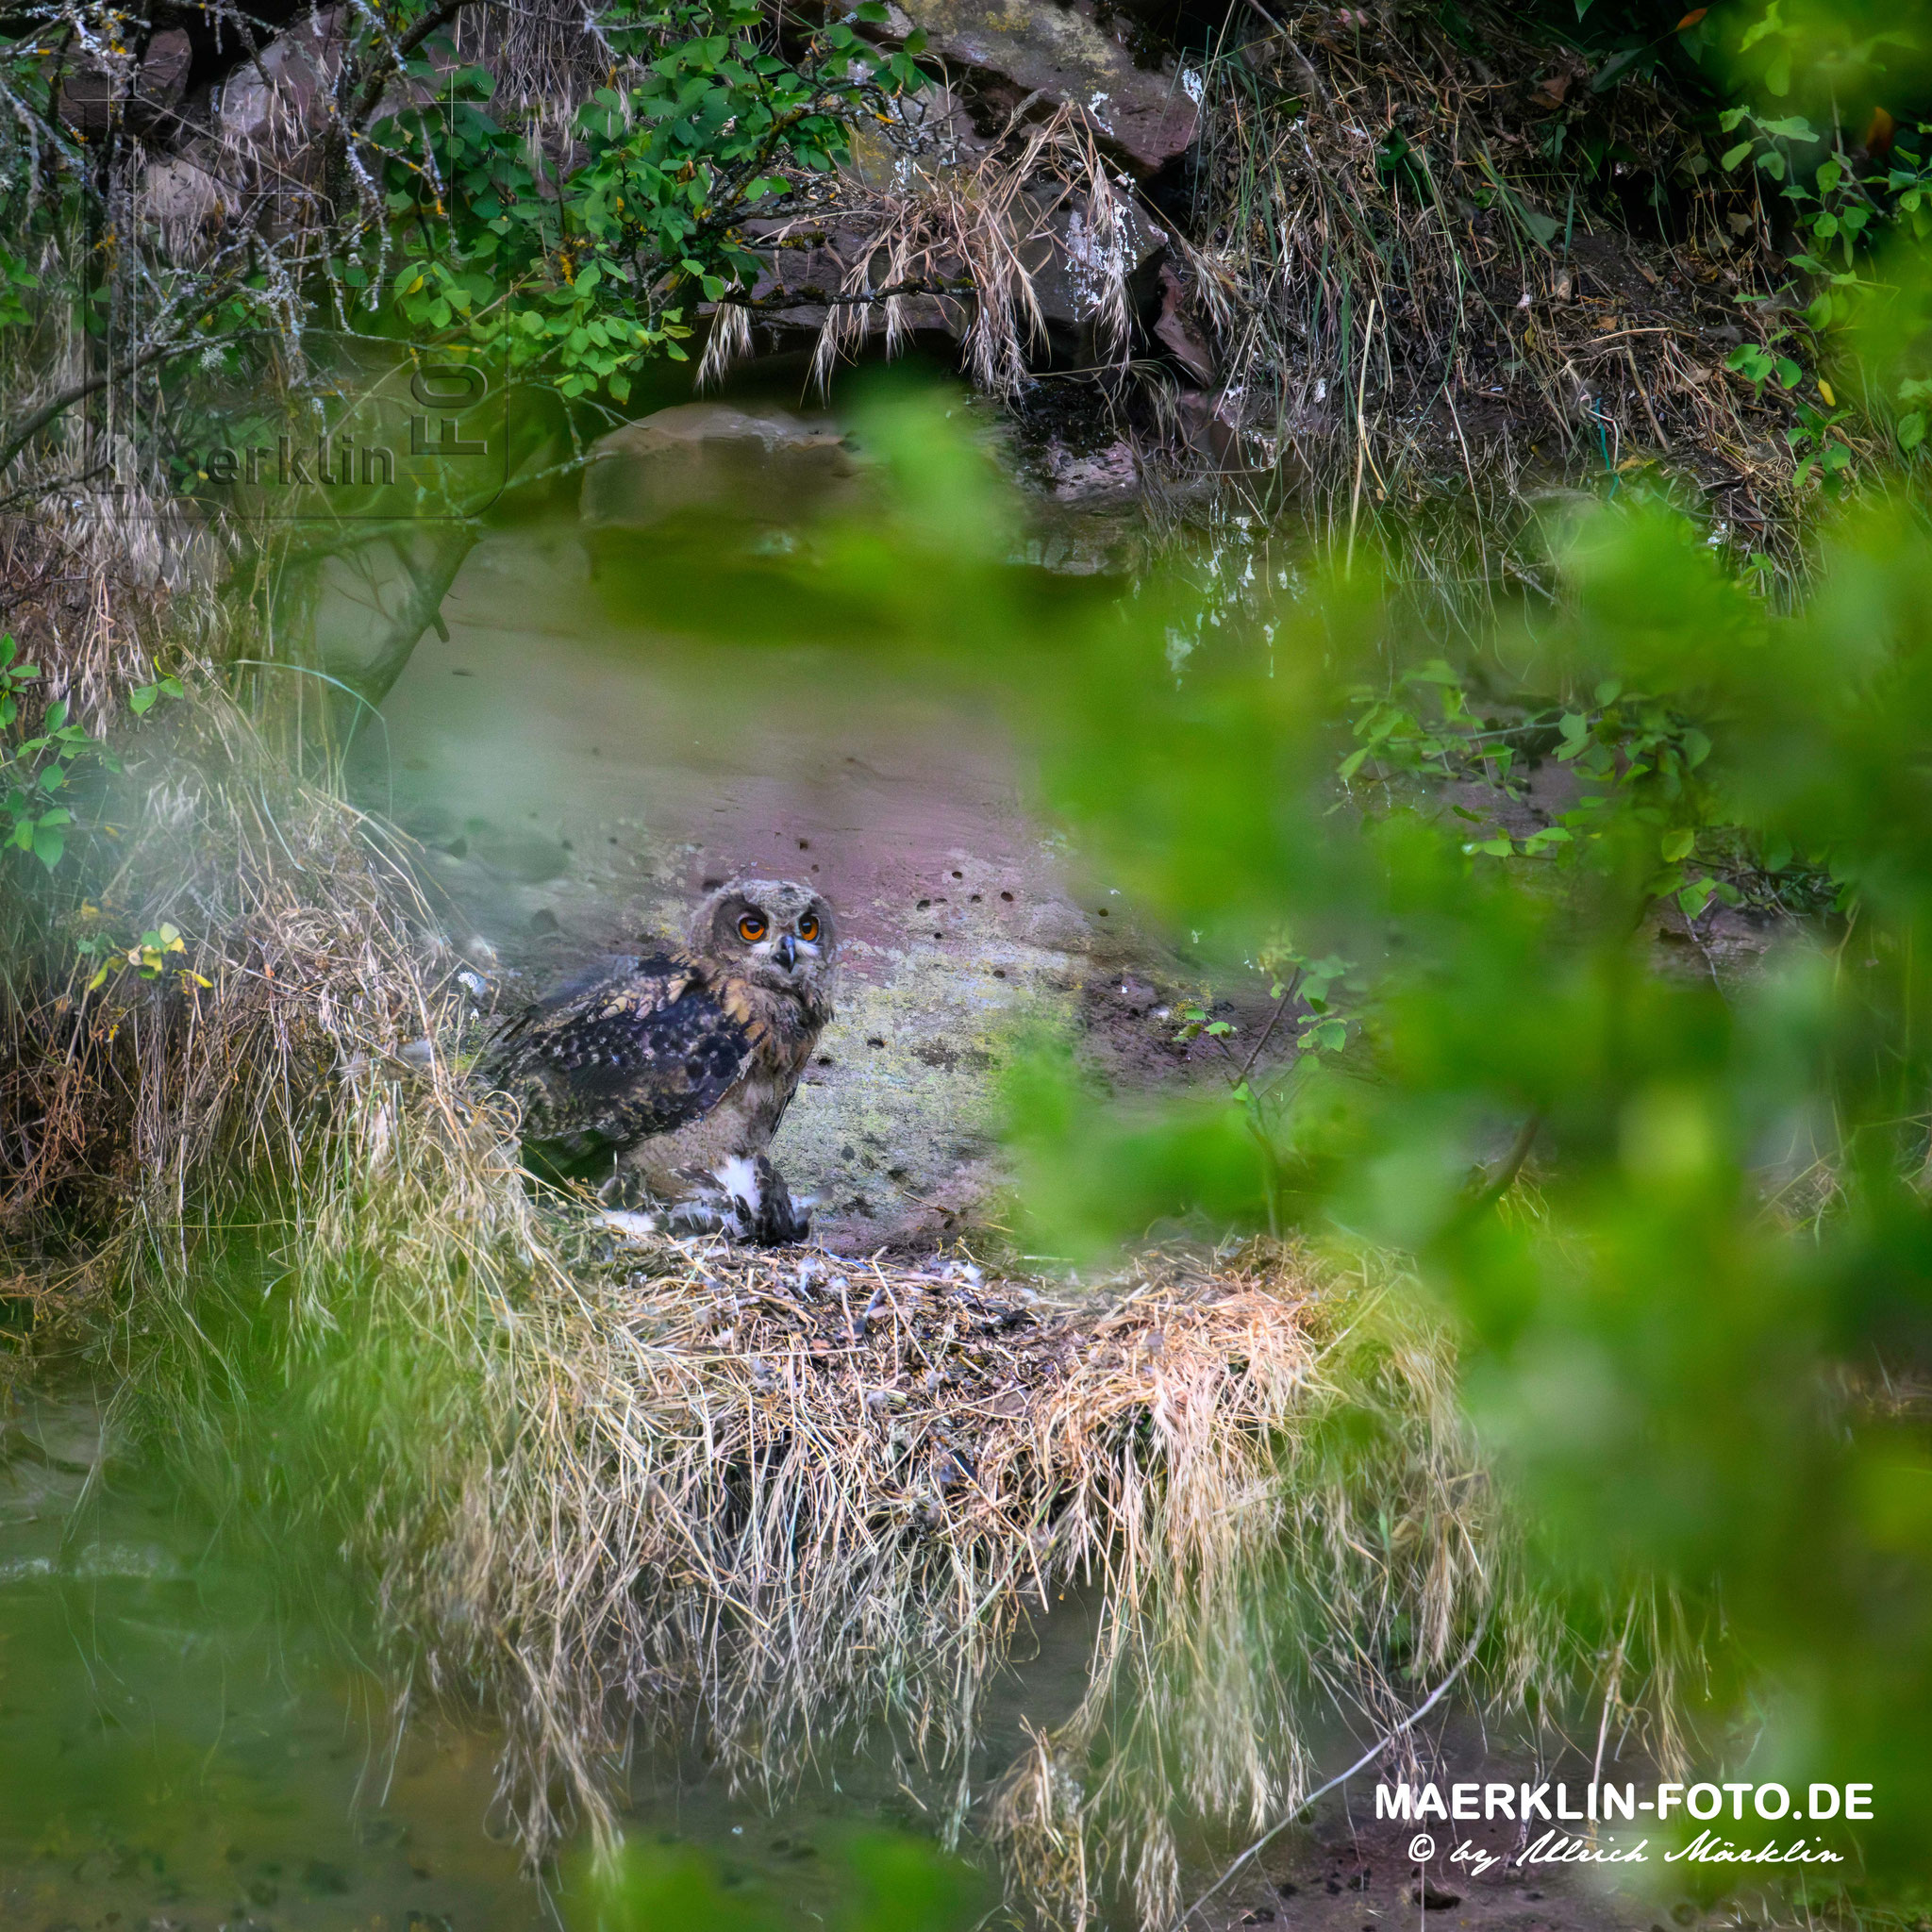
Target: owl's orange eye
column 751, row 929
column 808, row 927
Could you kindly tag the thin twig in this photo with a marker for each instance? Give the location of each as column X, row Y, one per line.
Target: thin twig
column 1361, row 1763
column 1281, row 1006
column 1361, row 428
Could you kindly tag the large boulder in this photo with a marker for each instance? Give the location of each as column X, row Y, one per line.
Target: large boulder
column 277, row 102
column 1077, row 267
column 752, row 462
column 280, row 100
column 1058, row 52
column 147, row 92
column 183, row 199
column 810, row 263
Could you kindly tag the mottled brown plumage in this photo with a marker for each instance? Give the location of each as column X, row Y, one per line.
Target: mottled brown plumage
column 663, row 1075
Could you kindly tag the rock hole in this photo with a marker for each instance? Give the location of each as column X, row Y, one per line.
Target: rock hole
column 999, row 971
column 1008, row 897
column 805, row 844
column 922, row 906
column 872, row 1040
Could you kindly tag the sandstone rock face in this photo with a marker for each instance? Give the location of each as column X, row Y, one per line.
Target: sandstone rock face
column 280, row 99
column 164, row 78
column 1099, row 476
column 147, row 93
column 183, row 197
column 927, row 133
column 808, row 264
column 1180, row 334
column 1057, row 51
column 1076, row 265
column 749, row 461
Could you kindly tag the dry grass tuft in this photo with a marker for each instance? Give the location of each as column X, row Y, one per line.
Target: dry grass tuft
column 1429, row 280
column 959, row 248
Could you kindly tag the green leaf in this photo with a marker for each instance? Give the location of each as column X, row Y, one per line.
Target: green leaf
column 1732, row 157
column 1912, row 430
column 1678, row 844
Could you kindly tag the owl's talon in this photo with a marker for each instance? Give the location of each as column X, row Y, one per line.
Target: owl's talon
column 628, row 1226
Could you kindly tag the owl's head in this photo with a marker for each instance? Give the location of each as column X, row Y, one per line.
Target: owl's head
column 776, row 932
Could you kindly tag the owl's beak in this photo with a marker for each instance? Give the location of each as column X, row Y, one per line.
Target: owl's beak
column 786, row 952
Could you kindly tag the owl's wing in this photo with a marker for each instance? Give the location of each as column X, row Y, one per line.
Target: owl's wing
column 628, row 1048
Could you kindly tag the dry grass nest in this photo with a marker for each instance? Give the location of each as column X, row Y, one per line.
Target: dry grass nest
column 791, row 1503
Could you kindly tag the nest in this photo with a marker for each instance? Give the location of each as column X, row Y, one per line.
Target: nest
column 784, row 1505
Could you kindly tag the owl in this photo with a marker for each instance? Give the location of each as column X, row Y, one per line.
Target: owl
column 662, row 1077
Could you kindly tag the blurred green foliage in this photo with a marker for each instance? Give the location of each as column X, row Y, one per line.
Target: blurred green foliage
column 1696, row 1347
column 885, row 1882
column 1698, row 1342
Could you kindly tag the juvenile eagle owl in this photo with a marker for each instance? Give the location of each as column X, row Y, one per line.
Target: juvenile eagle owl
column 664, row 1075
